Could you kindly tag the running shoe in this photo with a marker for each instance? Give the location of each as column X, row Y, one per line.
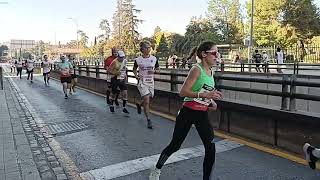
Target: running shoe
column 66, row 96
column 116, row 102
column 149, row 124
column 154, row 173
column 311, row 159
column 111, row 109
column 125, row 111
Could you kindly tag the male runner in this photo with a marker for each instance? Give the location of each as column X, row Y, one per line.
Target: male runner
column 46, row 69
column 118, row 69
column 147, row 65
column 65, row 77
column 107, row 63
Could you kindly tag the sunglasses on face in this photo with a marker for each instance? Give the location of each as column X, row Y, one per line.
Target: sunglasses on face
column 213, row 53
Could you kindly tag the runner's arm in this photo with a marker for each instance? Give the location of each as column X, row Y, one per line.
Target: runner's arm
column 157, row 67
column 135, row 67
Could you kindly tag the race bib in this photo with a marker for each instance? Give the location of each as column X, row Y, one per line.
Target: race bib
column 205, row 101
column 148, row 79
column 122, row 75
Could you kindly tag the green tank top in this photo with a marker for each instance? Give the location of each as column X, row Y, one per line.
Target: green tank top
column 204, row 83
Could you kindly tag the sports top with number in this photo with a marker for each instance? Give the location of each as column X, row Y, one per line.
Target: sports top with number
column 65, row 67
column 19, row 64
column 146, row 65
column 204, row 83
column 30, row 64
column 46, row 66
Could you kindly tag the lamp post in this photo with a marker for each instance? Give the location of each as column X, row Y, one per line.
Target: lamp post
column 77, row 26
column 250, row 49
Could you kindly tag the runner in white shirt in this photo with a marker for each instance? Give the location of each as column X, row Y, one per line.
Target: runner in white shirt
column 19, row 65
column 280, row 58
column 147, row 65
column 30, row 67
column 46, row 69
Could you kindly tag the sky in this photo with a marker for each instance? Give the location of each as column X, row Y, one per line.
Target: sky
column 47, row 20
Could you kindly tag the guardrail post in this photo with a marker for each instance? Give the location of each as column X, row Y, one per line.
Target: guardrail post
column 97, row 72
column 80, row 70
column 1, row 77
column 167, row 65
column 284, row 99
column 297, row 67
column 87, row 70
column 222, row 66
column 173, row 78
column 242, row 67
column 293, row 89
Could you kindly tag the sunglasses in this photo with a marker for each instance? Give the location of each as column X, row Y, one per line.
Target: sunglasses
column 213, row 53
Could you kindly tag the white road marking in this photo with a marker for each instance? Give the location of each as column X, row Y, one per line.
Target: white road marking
column 141, row 164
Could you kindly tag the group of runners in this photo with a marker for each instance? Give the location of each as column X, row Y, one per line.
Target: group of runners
column 198, row 91
column 66, row 67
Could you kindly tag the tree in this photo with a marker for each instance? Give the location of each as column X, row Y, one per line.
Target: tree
column 2, row 49
column 304, row 16
column 83, row 39
column 226, row 16
column 175, row 43
column 125, row 24
column 72, row 44
column 162, row 49
column 198, row 30
column 105, row 27
column 267, row 27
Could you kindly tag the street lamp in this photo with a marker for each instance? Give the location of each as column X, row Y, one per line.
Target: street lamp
column 77, row 26
column 251, row 36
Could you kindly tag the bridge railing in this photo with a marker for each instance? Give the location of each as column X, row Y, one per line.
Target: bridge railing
column 175, row 78
column 233, row 67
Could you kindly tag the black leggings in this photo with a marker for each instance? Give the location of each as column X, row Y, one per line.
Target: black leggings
column 19, row 72
column 184, row 121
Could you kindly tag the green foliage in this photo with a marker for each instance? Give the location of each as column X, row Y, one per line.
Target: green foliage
column 226, row 17
column 304, row 16
column 162, row 49
column 125, row 24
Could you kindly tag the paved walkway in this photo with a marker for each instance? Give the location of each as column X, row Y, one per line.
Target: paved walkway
column 80, row 134
column 24, row 148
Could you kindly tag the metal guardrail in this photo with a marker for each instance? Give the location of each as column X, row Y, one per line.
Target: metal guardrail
column 288, row 82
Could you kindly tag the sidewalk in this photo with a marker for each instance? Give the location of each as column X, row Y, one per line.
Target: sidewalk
column 16, row 160
column 25, row 153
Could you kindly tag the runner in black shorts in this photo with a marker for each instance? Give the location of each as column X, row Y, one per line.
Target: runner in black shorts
column 65, row 77
column 118, row 68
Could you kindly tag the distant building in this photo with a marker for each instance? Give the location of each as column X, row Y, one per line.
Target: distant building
column 22, row 44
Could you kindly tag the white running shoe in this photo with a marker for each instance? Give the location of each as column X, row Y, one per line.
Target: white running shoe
column 154, row 173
